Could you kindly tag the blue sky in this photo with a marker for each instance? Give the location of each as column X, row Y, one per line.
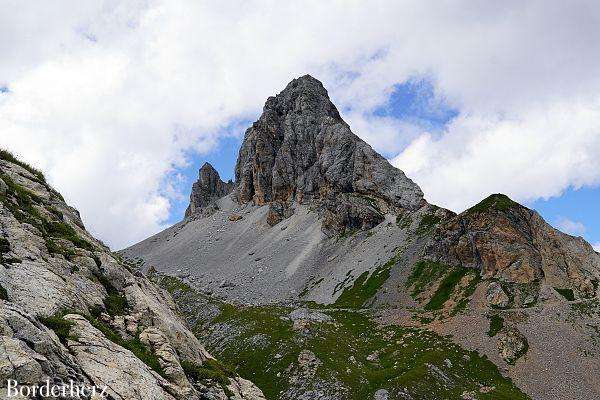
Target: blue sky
column 222, row 158
column 578, row 206
column 575, row 211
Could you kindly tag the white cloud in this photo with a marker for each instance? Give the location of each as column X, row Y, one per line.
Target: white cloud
column 535, row 153
column 571, row 227
column 596, row 247
column 106, row 97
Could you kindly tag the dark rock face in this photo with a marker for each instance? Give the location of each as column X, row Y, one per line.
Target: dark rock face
column 300, row 150
column 207, row 189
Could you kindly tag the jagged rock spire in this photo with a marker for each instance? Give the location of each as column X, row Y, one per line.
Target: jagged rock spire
column 301, row 150
column 207, row 189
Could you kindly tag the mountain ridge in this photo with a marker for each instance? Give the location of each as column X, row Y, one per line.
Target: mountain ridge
column 318, row 219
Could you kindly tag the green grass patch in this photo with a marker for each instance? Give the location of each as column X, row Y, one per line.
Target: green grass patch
column 365, row 286
column 21, row 202
column 3, row 293
column 64, row 231
column 404, row 356
column 52, row 247
column 467, row 292
column 173, row 285
column 446, row 288
column 496, row 325
column 587, row 308
column 566, row 293
column 427, row 223
column 114, row 303
column 59, row 325
column 348, row 232
column 210, row 369
column 423, row 274
column 499, row 202
column 403, row 221
column 8, row 156
column 260, row 344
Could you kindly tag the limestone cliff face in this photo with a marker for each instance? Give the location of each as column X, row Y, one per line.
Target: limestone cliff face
column 72, row 310
column 207, row 189
column 300, row 150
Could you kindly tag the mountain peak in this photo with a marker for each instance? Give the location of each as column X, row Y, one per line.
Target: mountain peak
column 302, row 95
column 301, row 151
column 207, row 189
column 207, row 167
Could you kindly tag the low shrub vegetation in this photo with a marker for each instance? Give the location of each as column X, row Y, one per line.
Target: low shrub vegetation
column 423, row 274
column 115, row 303
column 427, row 223
column 366, row 286
column 496, row 325
column 3, row 293
column 499, row 202
column 8, row 156
column 566, row 293
column 446, row 288
column 59, row 325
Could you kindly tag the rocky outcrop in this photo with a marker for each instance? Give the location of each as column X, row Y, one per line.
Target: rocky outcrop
column 206, row 190
column 512, row 345
column 70, row 310
column 496, row 296
column 300, row 150
column 108, row 364
column 510, row 242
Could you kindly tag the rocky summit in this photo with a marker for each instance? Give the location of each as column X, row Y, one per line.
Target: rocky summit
column 324, row 274
column 301, row 151
column 72, row 313
column 207, row 190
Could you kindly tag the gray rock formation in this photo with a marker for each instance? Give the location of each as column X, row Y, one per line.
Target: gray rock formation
column 300, row 150
column 72, row 310
column 207, row 189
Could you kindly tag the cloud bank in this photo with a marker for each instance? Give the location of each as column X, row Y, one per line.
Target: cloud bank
column 108, row 97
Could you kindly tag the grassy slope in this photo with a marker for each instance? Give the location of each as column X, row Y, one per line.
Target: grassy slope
column 261, row 344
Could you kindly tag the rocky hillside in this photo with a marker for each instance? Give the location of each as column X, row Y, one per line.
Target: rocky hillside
column 71, row 310
column 317, row 219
